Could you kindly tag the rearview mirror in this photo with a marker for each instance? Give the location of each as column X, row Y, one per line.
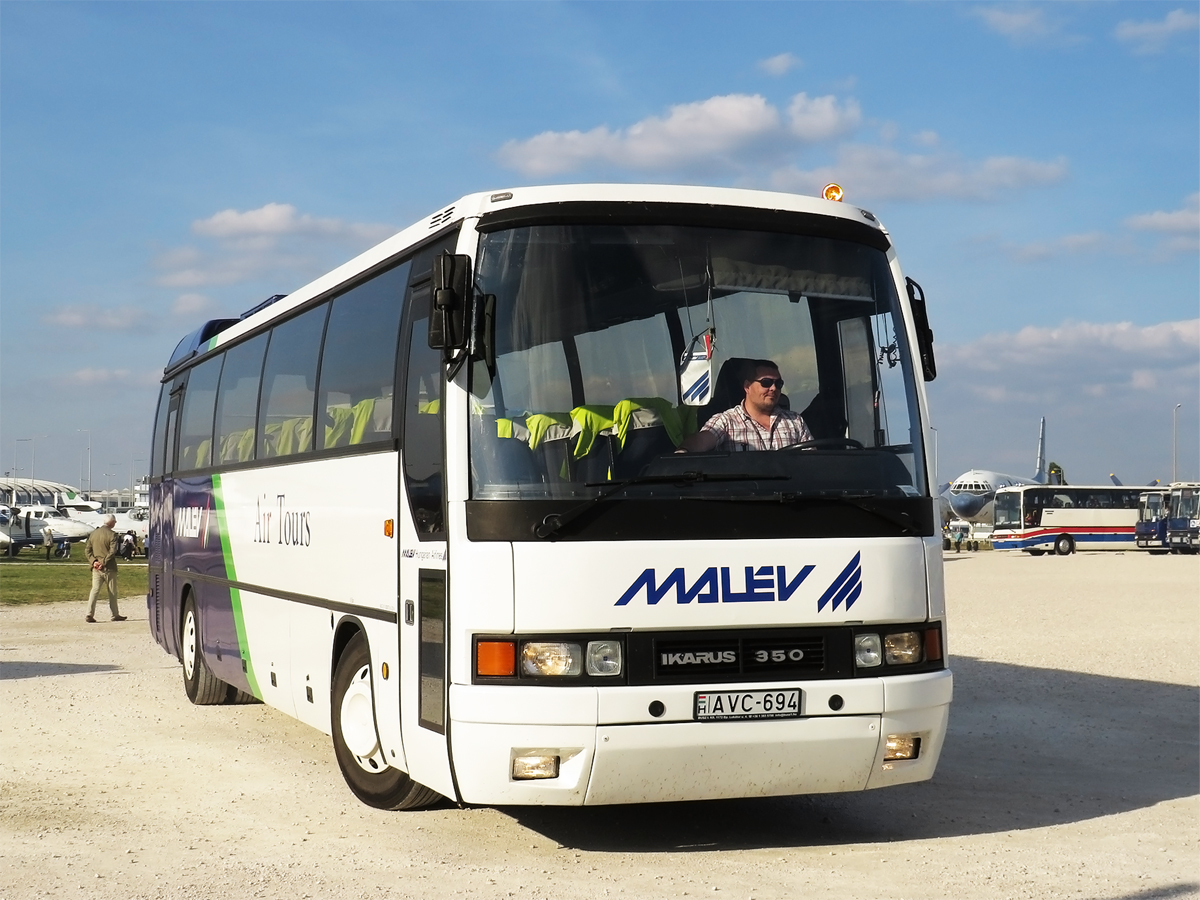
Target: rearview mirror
column 916, row 299
column 447, row 313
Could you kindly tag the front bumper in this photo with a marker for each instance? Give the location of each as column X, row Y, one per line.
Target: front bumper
column 613, row 750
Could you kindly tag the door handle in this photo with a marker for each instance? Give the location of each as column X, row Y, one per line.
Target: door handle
column 410, row 613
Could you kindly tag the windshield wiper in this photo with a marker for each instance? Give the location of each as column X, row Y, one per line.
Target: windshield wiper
column 902, row 520
column 554, row 522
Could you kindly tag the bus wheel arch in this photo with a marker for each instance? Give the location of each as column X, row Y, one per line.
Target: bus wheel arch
column 1064, row 545
column 356, row 737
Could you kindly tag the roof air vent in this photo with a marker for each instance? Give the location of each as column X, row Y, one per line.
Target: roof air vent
column 440, row 219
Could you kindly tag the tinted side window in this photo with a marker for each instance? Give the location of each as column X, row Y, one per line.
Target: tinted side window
column 237, row 401
column 422, row 448
column 159, row 446
column 358, row 364
column 196, row 426
column 290, row 384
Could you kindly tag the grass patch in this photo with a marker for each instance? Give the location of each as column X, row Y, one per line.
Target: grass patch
column 28, row 578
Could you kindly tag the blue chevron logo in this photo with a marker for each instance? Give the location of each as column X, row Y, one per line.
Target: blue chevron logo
column 846, row 588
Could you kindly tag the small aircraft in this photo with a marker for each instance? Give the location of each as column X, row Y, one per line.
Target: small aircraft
column 970, row 496
column 23, row 526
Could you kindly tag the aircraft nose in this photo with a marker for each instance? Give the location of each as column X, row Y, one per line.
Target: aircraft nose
column 966, row 505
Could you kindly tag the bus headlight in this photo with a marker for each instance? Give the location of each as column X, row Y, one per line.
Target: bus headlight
column 551, row 658
column 604, row 658
column 902, row 649
column 867, row 652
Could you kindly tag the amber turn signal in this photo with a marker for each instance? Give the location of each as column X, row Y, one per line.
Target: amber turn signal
column 496, row 658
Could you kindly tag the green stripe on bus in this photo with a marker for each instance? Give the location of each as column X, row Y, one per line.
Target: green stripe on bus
column 235, row 596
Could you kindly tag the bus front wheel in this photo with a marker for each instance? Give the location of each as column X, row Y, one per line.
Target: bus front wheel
column 356, row 741
column 1064, row 546
column 1034, row 551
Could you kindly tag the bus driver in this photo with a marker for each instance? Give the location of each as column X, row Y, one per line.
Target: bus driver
column 757, row 423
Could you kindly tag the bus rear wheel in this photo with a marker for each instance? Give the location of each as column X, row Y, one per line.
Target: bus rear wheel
column 1064, row 546
column 202, row 686
column 356, row 740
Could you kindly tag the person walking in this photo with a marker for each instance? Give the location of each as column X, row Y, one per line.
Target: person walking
column 101, row 549
column 48, row 541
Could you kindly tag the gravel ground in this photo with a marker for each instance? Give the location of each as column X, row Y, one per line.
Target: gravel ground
column 1071, row 770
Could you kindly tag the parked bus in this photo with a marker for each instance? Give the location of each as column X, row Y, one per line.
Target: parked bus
column 1183, row 518
column 432, row 504
column 1151, row 527
column 1063, row 519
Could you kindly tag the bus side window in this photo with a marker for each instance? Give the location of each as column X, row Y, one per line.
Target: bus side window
column 285, row 424
column 159, row 445
column 172, row 428
column 237, row 402
column 358, row 362
column 196, row 419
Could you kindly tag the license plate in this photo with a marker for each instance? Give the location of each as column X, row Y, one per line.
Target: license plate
column 777, row 704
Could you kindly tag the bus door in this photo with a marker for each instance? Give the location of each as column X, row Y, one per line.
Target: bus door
column 424, row 557
column 166, row 614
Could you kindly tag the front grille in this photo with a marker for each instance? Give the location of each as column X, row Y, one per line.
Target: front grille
column 760, row 655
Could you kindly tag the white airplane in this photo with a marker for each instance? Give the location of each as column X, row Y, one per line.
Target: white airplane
column 970, row 496
column 23, row 525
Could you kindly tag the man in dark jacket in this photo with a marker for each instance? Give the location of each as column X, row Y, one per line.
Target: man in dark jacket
column 101, row 548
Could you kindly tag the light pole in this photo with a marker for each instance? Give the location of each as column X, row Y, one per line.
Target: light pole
column 131, row 462
column 32, row 442
column 1175, row 442
column 107, row 482
column 88, row 432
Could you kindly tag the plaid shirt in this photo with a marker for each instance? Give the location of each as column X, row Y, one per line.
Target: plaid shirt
column 735, row 430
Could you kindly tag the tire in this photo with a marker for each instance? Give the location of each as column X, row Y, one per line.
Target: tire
column 1035, row 552
column 356, row 741
column 203, row 688
column 1063, row 545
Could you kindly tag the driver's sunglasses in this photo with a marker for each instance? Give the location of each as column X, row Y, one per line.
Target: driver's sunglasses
column 769, row 383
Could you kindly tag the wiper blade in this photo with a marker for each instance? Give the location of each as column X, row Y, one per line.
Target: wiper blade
column 554, row 522
column 901, row 519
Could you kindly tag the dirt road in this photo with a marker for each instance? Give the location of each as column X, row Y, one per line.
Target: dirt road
column 1071, row 770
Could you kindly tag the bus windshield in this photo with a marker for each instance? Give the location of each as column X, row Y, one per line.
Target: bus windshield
column 1007, row 509
column 1150, row 508
column 591, row 324
column 1185, row 504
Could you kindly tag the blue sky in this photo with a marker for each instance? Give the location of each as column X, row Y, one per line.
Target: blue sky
column 1037, row 164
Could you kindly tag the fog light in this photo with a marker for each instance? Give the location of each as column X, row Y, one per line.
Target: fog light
column 867, row 651
column 546, row 658
column 604, row 658
column 902, row 746
column 902, row 649
column 526, row 768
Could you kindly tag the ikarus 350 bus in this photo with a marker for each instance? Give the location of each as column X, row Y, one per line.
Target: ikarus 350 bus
column 434, row 504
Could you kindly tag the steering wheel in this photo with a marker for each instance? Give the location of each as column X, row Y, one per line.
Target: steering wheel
column 833, row 443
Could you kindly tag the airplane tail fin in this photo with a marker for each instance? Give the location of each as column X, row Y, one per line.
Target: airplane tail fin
column 1039, row 477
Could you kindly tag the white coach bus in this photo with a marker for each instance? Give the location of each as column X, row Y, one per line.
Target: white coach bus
column 433, row 505
column 1063, row 518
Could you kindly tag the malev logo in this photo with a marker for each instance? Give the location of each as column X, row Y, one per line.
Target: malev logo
column 755, row 584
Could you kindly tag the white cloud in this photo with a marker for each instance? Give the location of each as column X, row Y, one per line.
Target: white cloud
column 1067, row 245
column 1020, row 23
column 822, row 118
column 275, row 239
column 706, row 130
column 277, row 219
column 99, row 318
column 1106, row 390
column 780, row 64
column 111, row 377
column 190, row 304
column 1045, row 361
column 1181, row 221
column 1152, row 37
column 882, row 173
column 1180, row 227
